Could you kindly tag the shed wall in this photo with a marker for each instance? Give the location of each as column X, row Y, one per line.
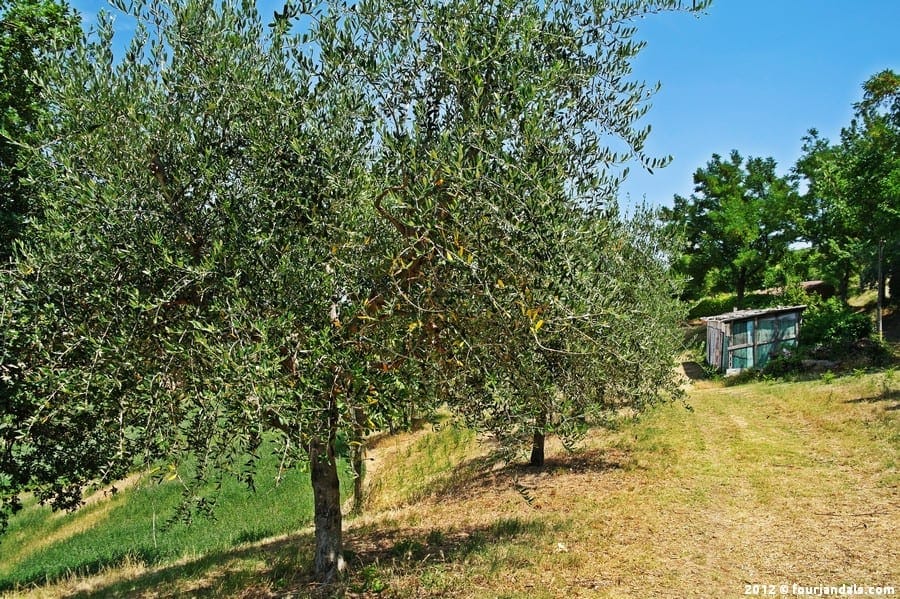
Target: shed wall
column 739, row 344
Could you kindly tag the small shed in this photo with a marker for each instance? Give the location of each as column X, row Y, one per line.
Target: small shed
column 743, row 339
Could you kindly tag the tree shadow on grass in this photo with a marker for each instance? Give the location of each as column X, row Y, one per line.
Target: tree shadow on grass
column 480, row 475
column 890, row 396
column 282, row 567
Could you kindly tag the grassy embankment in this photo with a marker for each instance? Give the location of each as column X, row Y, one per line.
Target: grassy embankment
column 134, row 527
column 765, row 483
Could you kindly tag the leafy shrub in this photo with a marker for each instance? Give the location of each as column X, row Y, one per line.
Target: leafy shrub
column 867, row 353
column 831, row 326
column 784, row 364
column 719, row 304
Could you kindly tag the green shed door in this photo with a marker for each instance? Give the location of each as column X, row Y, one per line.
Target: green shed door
column 768, row 336
column 741, row 335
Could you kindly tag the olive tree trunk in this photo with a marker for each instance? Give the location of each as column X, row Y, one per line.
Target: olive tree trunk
column 537, row 450
column 329, row 558
column 537, row 441
column 358, row 463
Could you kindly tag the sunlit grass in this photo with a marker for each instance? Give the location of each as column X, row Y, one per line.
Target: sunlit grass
column 682, row 502
column 409, row 470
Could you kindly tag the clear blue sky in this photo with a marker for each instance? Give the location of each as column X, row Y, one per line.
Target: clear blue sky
column 751, row 75
column 755, row 75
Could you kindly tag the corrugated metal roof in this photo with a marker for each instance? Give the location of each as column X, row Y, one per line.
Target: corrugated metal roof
column 748, row 314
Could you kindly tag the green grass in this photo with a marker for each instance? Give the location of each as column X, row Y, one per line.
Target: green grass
column 134, row 525
column 411, row 472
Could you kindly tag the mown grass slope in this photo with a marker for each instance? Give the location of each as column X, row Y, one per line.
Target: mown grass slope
column 770, row 483
column 765, row 483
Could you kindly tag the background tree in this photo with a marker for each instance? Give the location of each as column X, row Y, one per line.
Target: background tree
column 741, row 218
column 872, row 166
column 30, row 30
column 831, row 223
column 853, row 186
column 606, row 344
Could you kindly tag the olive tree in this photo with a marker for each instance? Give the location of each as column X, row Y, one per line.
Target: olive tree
column 29, row 32
column 247, row 234
column 207, row 270
column 503, row 132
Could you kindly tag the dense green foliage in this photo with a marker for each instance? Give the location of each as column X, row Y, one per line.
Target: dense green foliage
column 247, row 233
column 712, row 305
column 742, row 223
column 30, row 32
column 201, row 223
column 741, row 218
column 854, row 188
column 831, row 324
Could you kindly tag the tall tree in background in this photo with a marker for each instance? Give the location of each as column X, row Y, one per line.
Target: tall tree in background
column 741, row 219
column 853, row 197
column 871, row 147
column 831, row 222
column 30, row 30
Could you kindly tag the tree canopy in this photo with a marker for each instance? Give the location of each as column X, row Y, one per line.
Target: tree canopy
column 246, row 233
column 741, row 218
column 30, row 31
column 852, row 198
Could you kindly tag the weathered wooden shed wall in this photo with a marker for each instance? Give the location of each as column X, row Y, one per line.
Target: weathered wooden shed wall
column 744, row 339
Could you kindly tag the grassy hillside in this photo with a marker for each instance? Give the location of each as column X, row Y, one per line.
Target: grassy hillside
column 768, row 483
column 135, row 525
